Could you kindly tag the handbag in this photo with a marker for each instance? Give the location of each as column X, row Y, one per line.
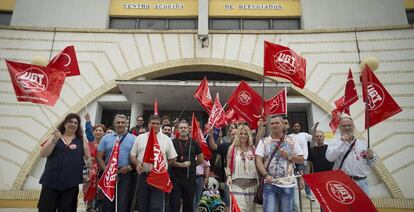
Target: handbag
column 258, row 196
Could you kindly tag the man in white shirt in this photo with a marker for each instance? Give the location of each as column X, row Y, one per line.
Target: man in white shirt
column 151, row 198
column 303, row 139
column 279, row 178
column 360, row 158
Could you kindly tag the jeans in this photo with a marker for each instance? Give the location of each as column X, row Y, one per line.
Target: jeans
column 123, row 198
column 363, row 184
column 198, row 190
column 183, row 189
column 149, row 197
column 277, row 198
column 51, row 199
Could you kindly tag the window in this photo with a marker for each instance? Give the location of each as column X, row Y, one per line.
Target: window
column 152, row 23
column 286, row 24
column 410, row 16
column 182, row 24
column 5, row 18
column 256, row 24
column 123, row 23
column 229, row 24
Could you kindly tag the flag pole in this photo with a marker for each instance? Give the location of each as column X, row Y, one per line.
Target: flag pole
column 134, row 199
column 47, row 117
column 189, row 159
column 116, row 194
column 185, row 107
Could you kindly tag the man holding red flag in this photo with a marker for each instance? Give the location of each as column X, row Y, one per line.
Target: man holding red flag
column 152, row 196
column 183, row 170
column 113, row 159
column 351, row 155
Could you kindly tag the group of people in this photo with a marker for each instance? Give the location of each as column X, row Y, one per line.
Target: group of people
column 275, row 152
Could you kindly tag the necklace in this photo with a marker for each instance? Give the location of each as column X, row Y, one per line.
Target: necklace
column 181, row 147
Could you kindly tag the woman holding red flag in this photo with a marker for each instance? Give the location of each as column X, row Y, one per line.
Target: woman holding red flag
column 92, row 196
column 65, row 151
column 241, row 169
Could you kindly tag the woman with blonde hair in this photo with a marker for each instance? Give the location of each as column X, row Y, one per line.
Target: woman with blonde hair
column 241, row 171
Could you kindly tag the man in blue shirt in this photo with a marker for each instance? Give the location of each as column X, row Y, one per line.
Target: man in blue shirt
column 125, row 177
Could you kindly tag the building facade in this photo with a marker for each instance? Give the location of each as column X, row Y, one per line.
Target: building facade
column 132, row 51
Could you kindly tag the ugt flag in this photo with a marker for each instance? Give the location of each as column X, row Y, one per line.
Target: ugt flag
column 336, row 191
column 107, row 182
column 350, row 96
column 158, row 176
column 247, row 103
column 197, row 135
column 379, row 103
column 66, row 60
column 281, row 61
column 36, row 84
column 276, row 104
column 217, row 117
column 203, row 96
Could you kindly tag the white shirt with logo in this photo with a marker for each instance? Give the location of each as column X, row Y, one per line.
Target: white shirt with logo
column 355, row 164
column 279, row 167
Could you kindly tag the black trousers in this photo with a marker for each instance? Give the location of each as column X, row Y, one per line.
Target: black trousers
column 51, row 199
column 182, row 188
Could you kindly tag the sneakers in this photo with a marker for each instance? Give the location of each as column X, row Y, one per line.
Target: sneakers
column 309, row 197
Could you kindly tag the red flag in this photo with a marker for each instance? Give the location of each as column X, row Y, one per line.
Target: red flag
column 234, row 206
column 336, row 118
column 339, row 103
column 281, row 61
column 66, row 60
column 380, row 105
column 350, row 96
column 158, row 176
column 336, row 191
column 91, row 192
column 233, row 117
column 277, row 104
column 217, row 116
column 197, row 135
column 156, row 107
column 36, row 84
column 107, row 182
column 247, row 103
column 202, row 94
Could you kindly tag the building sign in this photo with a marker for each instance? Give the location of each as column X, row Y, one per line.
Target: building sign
column 154, row 8
column 255, row 8
column 217, row 8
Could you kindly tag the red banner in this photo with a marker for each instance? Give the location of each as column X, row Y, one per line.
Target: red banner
column 247, row 103
column 350, row 96
column 36, row 84
column 336, row 118
column 92, row 187
column 336, row 191
column 107, row 182
column 217, row 116
column 380, row 105
column 203, row 96
column 197, row 135
column 66, row 60
column 158, row 176
column 281, row 61
column 233, row 117
column 276, row 104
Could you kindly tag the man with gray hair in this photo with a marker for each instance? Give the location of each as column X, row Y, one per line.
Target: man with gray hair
column 124, row 176
column 351, row 155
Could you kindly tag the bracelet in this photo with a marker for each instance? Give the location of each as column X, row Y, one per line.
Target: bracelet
column 290, row 157
column 54, row 142
column 265, row 175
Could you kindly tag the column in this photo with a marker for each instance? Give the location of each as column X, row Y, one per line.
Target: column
column 137, row 109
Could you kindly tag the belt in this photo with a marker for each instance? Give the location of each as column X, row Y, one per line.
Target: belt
column 200, row 175
column 358, row 178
